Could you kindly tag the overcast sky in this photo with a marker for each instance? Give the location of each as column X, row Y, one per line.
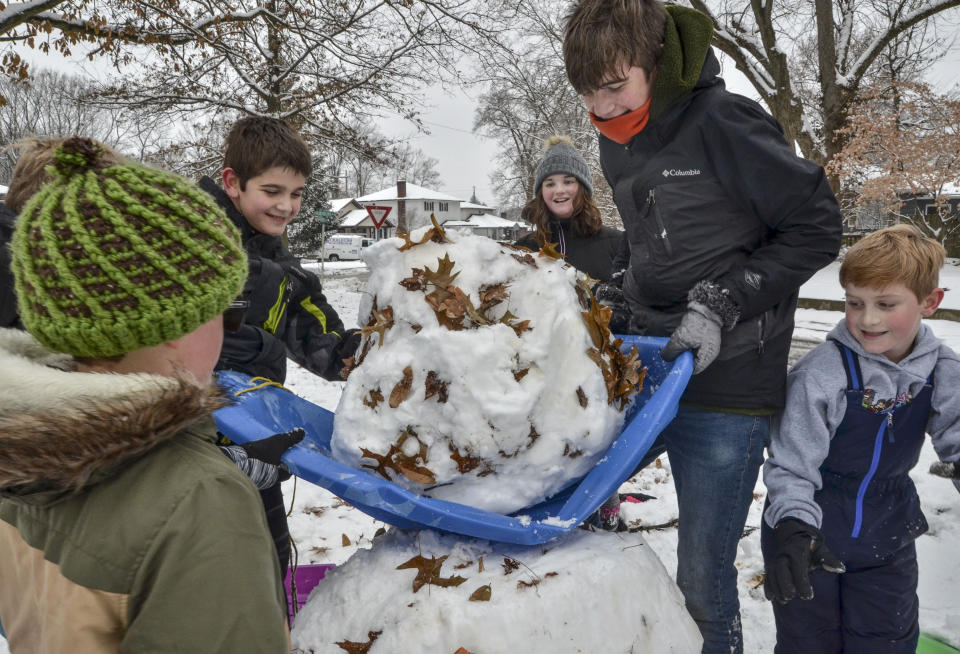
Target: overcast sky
column 466, row 160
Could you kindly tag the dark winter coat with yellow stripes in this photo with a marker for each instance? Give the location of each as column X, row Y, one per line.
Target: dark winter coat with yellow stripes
column 288, row 315
column 115, row 510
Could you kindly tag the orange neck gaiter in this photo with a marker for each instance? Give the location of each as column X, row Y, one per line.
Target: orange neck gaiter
column 623, row 128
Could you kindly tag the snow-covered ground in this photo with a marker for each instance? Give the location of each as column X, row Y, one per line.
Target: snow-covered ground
column 328, row 531
column 939, row 572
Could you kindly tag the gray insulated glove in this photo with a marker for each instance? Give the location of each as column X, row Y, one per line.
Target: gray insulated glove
column 709, row 311
column 699, row 331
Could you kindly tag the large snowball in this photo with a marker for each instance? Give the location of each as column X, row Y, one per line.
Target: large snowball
column 480, row 380
column 422, row 592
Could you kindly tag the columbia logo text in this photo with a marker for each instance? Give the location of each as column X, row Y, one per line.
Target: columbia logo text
column 673, row 172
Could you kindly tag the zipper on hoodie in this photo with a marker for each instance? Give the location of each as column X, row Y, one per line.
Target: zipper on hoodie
column 889, row 414
column 661, row 228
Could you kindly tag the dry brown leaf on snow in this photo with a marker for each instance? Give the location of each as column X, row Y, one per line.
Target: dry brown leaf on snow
column 584, row 296
column 415, row 473
column 375, row 398
column 442, row 276
column 550, row 250
column 509, row 565
column 492, row 295
column 428, row 572
column 380, row 322
column 465, row 462
column 414, row 282
column 482, row 594
column 435, row 386
column 435, row 234
column 581, row 397
column 401, row 391
column 359, row 648
column 525, row 259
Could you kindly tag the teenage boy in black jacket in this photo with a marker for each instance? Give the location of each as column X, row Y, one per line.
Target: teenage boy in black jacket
column 724, row 223
column 265, row 168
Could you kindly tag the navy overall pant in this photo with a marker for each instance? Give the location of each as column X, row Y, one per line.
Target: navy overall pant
column 871, row 517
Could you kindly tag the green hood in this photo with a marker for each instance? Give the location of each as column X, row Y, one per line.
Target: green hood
column 685, row 45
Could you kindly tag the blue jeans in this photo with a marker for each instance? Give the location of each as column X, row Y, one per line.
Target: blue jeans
column 715, row 458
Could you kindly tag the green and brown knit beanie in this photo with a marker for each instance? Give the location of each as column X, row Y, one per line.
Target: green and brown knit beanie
column 108, row 259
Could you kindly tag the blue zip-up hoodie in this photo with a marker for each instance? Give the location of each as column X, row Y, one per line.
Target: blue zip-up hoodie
column 816, row 405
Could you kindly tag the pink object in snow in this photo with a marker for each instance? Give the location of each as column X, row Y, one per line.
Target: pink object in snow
column 305, row 578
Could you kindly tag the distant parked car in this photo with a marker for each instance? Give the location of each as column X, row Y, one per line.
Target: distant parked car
column 344, row 247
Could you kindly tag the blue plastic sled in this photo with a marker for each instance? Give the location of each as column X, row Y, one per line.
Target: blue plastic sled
column 270, row 410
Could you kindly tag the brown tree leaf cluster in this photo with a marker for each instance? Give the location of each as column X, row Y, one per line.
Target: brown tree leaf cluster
column 903, row 139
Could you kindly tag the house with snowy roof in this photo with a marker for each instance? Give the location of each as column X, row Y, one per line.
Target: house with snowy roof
column 485, row 224
column 403, row 207
column 472, row 208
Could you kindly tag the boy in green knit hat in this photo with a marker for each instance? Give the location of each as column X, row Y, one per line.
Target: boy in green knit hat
column 115, row 503
column 724, row 223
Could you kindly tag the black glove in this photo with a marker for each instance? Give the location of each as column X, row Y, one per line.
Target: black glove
column 800, row 549
column 945, row 469
column 611, row 295
column 348, row 346
column 270, row 449
column 260, row 460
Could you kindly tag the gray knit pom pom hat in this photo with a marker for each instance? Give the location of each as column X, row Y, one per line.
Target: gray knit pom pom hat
column 561, row 157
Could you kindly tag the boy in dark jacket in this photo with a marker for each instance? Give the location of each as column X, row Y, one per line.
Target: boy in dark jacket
column 265, row 168
column 858, row 408
column 724, row 224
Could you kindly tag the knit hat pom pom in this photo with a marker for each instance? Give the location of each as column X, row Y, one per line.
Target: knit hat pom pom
column 556, row 138
column 77, row 155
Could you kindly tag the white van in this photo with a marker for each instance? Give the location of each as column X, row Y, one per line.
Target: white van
column 344, row 246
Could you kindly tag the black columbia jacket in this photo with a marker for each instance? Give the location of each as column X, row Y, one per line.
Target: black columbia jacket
column 710, row 190
column 288, row 314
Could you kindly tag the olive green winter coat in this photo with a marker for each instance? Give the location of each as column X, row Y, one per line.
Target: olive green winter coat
column 122, row 527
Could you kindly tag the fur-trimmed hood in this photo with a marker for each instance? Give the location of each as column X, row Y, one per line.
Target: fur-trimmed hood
column 62, row 430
